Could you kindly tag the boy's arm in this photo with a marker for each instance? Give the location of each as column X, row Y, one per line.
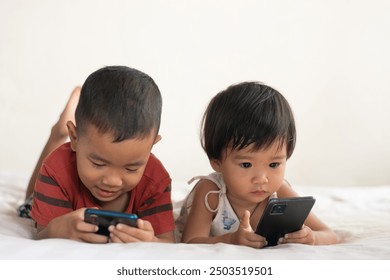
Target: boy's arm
column 156, row 210
column 166, row 237
column 71, row 226
column 142, row 233
column 52, row 192
column 53, row 213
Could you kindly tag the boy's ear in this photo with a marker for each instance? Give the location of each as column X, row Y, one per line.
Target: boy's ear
column 216, row 165
column 72, row 132
column 157, row 139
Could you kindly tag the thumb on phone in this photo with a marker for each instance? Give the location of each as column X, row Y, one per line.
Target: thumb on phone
column 245, row 221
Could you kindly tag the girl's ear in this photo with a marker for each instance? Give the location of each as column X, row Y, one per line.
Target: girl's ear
column 72, row 132
column 216, row 165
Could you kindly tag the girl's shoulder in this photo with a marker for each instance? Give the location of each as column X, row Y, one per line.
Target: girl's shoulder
column 205, row 186
column 286, row 190
column 207, row 192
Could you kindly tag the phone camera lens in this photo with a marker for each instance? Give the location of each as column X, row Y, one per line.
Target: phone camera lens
column 278, row 209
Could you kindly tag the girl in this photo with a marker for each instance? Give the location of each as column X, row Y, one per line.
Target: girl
column 248, row 133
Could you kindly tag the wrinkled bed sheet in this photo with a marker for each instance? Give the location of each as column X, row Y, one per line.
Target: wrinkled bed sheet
column 360, row 215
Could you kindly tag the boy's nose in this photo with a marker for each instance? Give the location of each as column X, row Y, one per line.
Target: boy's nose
column 112, row 180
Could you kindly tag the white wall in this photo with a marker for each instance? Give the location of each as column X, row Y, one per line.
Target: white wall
column 329, row 58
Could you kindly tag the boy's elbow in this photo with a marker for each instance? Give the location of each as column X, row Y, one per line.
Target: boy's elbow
column 167, row 237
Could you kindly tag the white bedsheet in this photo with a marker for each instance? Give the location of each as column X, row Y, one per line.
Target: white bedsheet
column 360, row 216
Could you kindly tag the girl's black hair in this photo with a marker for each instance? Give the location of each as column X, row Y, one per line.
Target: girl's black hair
column 244, row 114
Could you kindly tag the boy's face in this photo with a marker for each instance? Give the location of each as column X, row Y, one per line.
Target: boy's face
column 109, row 170
column 252, row 175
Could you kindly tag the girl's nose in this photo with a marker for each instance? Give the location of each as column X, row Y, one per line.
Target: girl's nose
column 260, row 178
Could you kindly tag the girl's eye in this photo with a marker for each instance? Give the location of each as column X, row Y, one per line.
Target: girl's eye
column 245, row 164
column 274, row 165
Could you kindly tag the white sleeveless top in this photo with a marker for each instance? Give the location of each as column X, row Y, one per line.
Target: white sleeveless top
column 225, row 220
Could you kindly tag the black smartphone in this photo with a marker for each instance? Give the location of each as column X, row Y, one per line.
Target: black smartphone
column 104, row 218
column 283, row 215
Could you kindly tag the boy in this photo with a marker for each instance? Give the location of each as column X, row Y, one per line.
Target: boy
column 107, row 164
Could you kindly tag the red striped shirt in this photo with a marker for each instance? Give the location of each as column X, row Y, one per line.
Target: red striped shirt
column 58, row 190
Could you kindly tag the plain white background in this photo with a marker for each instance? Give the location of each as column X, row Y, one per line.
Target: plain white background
column 329, row 58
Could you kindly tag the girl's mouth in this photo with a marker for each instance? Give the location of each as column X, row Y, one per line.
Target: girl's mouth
column 258, row 193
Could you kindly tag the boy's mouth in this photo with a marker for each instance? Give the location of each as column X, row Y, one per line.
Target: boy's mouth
column 104, row 193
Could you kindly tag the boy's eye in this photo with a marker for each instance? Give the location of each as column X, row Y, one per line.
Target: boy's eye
column 274, row 165
column 245, row 164
column 131, row 170
column 97, row 164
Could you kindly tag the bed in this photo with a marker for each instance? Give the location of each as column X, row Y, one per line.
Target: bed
column 360, row 215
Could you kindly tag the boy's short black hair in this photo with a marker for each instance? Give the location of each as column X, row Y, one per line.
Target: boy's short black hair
column 244, row 114
column 120, row 100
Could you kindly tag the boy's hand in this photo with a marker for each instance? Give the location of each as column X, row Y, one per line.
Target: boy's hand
column 72, row 226
column 122, row 233
column 303, row 236
column 245, row 234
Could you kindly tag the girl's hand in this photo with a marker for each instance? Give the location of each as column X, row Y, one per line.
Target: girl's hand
column 245, row 234
column 122, row 233
column 303, row 236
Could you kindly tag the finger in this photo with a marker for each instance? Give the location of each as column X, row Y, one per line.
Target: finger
column 296, row 238
column 257, row 239
column 146, row 231
column 256, row 244
column 145, row 225
column 245, row 221
column 134, row 231
column 143, row 232
column 123, row 234
column 298, row 234
column 80, row 213
column 94, row 238
column 122, row 230
column 86, row 227
column 303, row 236
column 122, row 238
column 292, row 240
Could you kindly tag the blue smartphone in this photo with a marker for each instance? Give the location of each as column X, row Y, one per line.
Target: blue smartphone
column 104, row 218
column 283, row 215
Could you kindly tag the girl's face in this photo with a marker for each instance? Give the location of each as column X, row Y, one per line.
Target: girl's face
column 252, row 175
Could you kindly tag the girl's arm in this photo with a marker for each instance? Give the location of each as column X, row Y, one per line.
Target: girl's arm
column 198, row 225
column 314, row 231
